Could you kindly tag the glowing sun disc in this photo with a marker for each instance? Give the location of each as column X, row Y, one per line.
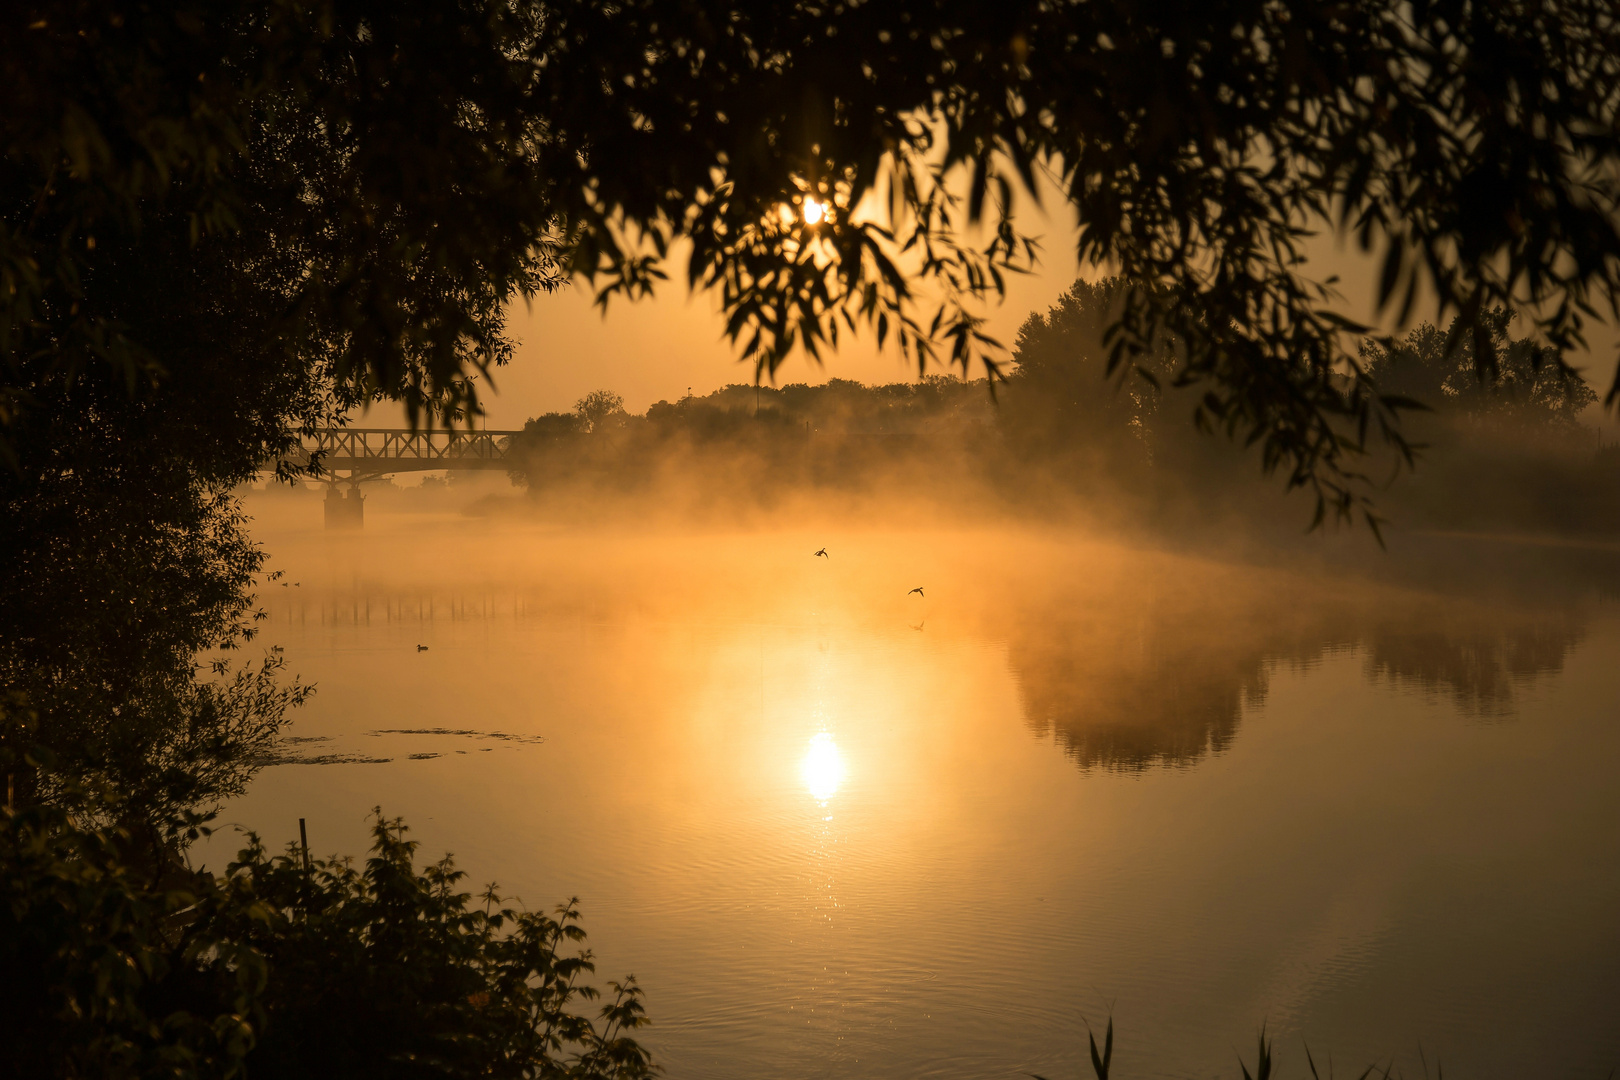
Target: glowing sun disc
column 822, row 768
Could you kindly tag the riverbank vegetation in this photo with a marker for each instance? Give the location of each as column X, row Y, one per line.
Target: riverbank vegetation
column 123, row 962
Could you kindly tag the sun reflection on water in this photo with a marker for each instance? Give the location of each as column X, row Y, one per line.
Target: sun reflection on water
column 822, row 767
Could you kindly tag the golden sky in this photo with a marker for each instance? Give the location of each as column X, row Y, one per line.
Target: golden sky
column 655, row 349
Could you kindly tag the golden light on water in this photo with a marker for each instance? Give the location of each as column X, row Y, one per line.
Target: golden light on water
column 823, row 767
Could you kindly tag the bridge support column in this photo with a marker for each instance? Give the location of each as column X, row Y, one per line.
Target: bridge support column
column 345, row 512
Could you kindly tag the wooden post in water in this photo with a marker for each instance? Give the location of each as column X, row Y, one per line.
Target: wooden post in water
column 303, row 840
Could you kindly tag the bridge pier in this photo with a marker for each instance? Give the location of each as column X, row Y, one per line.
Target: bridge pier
column 345, row 512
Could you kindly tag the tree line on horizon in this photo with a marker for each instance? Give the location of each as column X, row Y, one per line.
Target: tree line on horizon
column 1069, row 421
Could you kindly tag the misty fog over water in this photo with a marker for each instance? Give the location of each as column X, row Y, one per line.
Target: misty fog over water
column 836, row 828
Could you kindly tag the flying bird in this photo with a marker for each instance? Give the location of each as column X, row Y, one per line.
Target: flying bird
column 421, row 648
column 918, row 591
column 919, row 626
column 823, row 554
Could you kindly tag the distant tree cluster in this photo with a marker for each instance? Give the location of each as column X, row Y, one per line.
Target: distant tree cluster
column 1076, row 422
column 1499, row 445
column 1069, row 374
column 1523, row 391
column 749, row 443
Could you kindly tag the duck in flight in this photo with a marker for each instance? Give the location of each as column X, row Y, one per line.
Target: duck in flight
column 919, row 626
column 421, row 648
column 822, row 554
column 918, row 591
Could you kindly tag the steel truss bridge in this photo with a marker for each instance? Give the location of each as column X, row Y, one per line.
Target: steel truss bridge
column 370, row 453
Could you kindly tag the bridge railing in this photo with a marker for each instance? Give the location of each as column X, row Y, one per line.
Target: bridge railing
column 388, row 444
column 381, row 450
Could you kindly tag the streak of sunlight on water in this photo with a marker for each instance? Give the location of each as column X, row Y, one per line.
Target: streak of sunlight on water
column 830, row 843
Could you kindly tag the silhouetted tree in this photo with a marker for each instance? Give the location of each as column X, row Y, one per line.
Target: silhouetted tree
column 120, row 571
column 1066, row 391
column 1439, row 370
column 597, row 407
column 1502, row 448
column 223, row 222
column 1506, row 434
column 120, row 967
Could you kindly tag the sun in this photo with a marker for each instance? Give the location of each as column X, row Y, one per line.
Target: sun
column 813, row 212
column 822, row 768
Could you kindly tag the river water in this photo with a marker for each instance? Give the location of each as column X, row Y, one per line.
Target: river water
column 837, row 829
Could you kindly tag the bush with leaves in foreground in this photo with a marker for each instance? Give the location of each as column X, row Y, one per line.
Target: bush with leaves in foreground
column 116, row 967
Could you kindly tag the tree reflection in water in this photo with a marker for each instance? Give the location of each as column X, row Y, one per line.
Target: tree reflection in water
column 1169, row 685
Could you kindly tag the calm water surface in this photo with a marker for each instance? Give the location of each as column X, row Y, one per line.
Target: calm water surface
column 839, row 831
